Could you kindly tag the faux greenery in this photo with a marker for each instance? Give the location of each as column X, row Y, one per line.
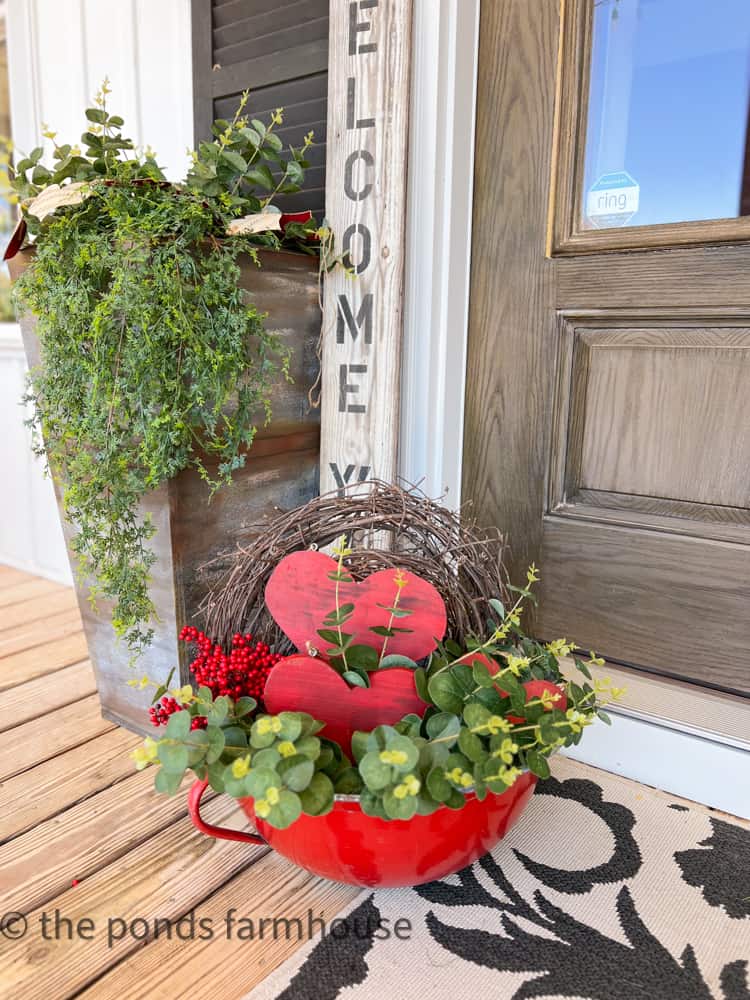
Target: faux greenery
column 482, row 729
column 152, row 360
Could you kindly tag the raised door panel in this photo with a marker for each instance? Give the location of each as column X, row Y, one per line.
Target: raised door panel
column 666, row 414
column 646, row 539
column 674, row 604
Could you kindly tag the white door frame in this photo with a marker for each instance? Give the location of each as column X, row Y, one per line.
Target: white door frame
column 438, row 243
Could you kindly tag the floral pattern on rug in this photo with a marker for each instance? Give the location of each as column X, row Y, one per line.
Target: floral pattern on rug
column 605, row 889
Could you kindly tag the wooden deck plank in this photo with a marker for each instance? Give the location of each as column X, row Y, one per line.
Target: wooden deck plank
column 222, row 967
column 45, row 694
column 33, row 634
column 40, row 739
column 9, row 576
column 42, row 660
column 56, row 784
column 164, row 877
column 41, row 864
column 39, row 610
column 28, row 591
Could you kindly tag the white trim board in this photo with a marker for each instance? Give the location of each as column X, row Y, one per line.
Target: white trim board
column 693, row 767
column 438, row 244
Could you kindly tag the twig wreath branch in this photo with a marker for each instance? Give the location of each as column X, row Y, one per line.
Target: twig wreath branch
column 445, row 547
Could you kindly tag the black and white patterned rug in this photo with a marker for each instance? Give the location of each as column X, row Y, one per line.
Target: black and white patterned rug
column 605, row 889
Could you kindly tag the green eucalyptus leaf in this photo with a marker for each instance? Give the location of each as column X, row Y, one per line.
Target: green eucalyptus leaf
column 216, row 776
column 471, row 746
column 443, row 726
column 235, row 161
column 397, row 660
column 482, row 675
column 438, row 785
column 537, row 763
column 420, row 682
column 167, row 782
column 371, row 804
column 355, row 679
column 259, row 780
column 309, row 746
column 296, row 772
column 219, row 711
column 375, row 773
column 286, row 811
column 397, row 808
column 262, row 176
column 348, row 782
column 498, row 607
column 244, row 706
column 178, row 726
column 269, row 758
column 445, row 692
column 173, row 757
column 291, row 725
column 362, row 657
column 216, row 744
column 475, row 714
column 360, row 744
column 317, row 798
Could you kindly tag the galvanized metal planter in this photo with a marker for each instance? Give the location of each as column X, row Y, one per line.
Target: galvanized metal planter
column 281, row 471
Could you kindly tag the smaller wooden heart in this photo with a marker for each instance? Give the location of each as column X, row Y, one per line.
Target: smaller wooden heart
column 308, row 684
column 300, row 593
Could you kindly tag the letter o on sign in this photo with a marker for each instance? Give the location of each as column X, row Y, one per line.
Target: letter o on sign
column 365, row 247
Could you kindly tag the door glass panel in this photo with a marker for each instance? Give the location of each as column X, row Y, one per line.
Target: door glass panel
column 667, row 123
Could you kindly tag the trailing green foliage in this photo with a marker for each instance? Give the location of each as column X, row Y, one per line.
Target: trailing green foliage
column 152, row 360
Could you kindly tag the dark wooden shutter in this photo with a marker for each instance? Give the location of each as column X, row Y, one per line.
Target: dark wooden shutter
column 278, row 50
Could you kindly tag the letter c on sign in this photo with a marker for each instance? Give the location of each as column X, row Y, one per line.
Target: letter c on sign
column 368, row 159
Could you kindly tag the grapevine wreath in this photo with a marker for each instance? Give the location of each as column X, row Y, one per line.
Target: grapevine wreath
column 380, row 700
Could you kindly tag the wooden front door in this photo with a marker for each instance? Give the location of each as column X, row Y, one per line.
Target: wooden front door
column 608, row 386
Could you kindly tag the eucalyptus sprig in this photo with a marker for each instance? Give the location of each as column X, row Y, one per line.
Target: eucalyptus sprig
column 277, row 760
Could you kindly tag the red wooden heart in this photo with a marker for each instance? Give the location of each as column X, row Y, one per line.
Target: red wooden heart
column 300, row 594
column 309, row 684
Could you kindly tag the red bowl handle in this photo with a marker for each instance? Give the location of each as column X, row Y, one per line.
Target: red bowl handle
column 221, row 833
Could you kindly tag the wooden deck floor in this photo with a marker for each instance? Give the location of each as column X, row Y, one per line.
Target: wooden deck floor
column 134, row 854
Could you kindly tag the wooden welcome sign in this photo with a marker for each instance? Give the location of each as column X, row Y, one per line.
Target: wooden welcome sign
column 368, row 113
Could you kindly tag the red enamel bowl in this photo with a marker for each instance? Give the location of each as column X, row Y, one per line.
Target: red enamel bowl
column 347, row 846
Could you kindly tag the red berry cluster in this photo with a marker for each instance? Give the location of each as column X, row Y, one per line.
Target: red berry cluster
column 160, row 712
column 242, row 672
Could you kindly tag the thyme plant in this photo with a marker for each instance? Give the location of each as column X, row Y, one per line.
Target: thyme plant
column 152, row 359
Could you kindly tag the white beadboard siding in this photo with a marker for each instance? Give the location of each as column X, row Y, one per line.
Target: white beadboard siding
column 59, row 52
column 30, row 533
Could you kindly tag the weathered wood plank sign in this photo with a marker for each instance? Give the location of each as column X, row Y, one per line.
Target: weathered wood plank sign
column 368, row 113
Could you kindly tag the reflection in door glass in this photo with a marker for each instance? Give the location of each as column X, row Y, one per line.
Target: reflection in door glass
column 667, row 130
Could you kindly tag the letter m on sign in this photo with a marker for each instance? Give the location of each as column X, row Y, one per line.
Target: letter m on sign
column 346, row 319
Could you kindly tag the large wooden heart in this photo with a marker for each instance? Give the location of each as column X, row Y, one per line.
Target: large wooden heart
column 309, row 684
column 300, row 594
